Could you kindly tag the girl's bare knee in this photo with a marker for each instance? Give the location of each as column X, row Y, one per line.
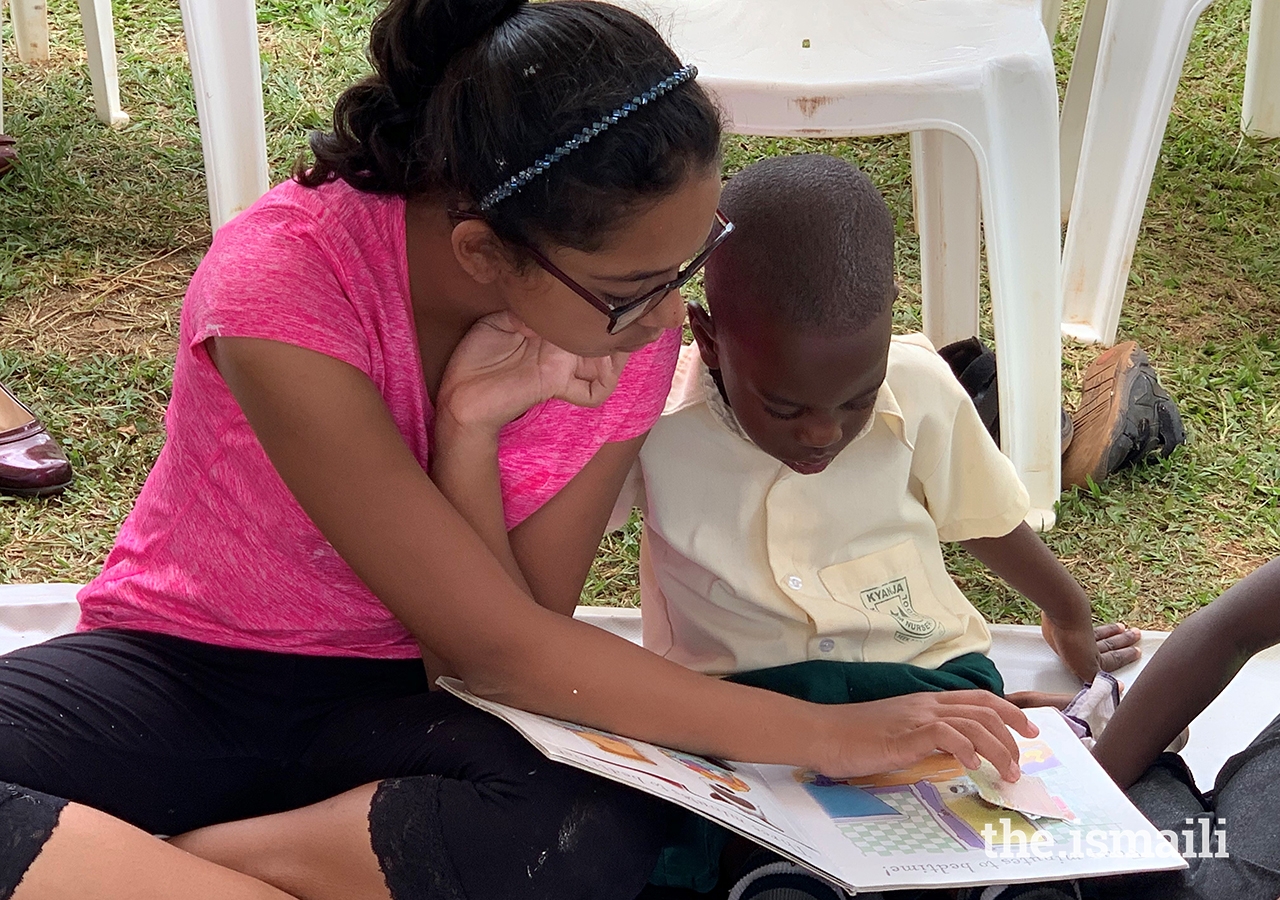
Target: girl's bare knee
column 319, row 852
column 89, row 847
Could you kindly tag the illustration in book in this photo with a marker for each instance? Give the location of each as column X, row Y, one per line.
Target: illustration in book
column 933, row 824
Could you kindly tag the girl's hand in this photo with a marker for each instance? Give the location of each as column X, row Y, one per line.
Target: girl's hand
column 885, row 735
column 501, row 369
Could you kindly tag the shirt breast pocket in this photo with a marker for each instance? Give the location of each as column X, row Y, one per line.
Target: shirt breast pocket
column 892, row 589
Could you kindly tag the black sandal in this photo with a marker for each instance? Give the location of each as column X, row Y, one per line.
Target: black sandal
column 975, row 366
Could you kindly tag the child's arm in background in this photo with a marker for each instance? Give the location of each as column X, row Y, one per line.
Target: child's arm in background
column 1197, row 661
column 1026, row 563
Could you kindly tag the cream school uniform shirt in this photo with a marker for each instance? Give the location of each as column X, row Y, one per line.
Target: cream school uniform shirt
column 746, row 564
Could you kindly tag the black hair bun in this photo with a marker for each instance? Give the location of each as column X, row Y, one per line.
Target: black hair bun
column 413, row 40
column 468, row 92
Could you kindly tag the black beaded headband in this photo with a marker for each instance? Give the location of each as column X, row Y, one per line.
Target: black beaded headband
column 516, row 182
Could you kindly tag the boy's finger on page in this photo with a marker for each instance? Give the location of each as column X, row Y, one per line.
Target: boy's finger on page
column 987, row 722
column 1109, row 629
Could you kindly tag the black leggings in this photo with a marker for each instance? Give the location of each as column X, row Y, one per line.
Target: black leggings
column 170, row 735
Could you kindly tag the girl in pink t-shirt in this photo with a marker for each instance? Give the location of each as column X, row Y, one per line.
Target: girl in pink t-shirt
column 409, row 386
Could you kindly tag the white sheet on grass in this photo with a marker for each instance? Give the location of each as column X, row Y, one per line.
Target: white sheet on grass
column 30, row 613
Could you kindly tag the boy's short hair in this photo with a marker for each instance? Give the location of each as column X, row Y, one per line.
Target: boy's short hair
column 813, row 245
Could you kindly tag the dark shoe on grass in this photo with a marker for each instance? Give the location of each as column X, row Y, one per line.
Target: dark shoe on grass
column 975, row 366
column 1125, row 416
column 8, row 153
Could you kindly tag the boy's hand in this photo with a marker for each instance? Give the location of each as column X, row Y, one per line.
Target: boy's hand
column 885, row 735
column 1117, row 645
column 1086, row 649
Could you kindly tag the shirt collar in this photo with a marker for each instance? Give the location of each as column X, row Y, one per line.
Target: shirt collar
column 693, row 384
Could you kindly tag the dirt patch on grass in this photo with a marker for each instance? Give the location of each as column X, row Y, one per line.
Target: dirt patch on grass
column 131, row 313
column 1235, row 559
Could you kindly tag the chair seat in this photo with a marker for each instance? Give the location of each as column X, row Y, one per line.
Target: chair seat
column 977, row 73
column 870, row 44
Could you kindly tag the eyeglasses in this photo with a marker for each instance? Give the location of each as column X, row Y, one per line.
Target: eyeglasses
column 624, row 314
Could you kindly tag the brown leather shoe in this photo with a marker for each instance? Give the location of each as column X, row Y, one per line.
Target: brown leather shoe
column 31, row 462
column 1125, row 415
column 8, row 153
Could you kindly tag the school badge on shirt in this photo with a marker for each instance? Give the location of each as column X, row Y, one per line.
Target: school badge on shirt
column 894, row 598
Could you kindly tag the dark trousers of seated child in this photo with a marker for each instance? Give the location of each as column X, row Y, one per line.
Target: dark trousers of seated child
column 1244, row 806
column 691, row 858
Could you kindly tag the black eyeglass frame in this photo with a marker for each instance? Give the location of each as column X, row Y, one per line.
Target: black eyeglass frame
column 626, row 314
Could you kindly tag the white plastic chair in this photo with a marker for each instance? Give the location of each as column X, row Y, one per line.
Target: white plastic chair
column 1113, row 122
column 976, row 79
column 222, row 44
column 31, row 29
column 1260, row 116
column 1116, row 138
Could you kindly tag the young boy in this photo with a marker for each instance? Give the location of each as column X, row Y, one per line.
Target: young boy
column 808, row 467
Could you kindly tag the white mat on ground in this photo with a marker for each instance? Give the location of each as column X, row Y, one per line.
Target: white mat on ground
column 30, row 613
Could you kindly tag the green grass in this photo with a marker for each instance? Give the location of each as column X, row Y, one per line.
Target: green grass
column 101, row 228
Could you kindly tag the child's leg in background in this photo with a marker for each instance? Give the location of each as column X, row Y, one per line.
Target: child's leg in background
column 1244, row 809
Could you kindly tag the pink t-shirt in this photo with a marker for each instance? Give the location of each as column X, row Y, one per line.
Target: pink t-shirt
column 217, row 549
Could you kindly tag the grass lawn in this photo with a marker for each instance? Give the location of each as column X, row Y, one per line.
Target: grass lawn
column 100, row 230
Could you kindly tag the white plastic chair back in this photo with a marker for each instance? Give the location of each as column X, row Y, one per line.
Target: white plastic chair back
column 976, row 77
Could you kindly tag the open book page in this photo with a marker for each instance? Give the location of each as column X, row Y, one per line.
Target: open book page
column 926, row 826
column 733, row 795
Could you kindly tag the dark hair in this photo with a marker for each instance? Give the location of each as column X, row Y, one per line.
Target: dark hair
column 468, row 92
column 812, row 245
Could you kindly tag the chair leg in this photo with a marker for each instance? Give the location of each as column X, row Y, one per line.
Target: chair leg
column 1018, row 163
column 944, row 180
column 1129, row 107
column 1261, row 113
column 222, row 43
column 1075, row 104
column 100, row 42
column 1050, row 15
column 31, row 29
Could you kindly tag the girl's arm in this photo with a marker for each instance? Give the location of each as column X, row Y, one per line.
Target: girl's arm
column 549, row 554
column 1198, row 660
column 313, row 415
column 557, row 544
column 464, row 466
column 498, row 372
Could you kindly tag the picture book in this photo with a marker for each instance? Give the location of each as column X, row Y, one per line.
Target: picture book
column 934, row 824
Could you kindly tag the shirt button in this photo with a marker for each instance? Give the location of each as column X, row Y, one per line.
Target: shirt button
column 794, row 582
column 826, row 645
